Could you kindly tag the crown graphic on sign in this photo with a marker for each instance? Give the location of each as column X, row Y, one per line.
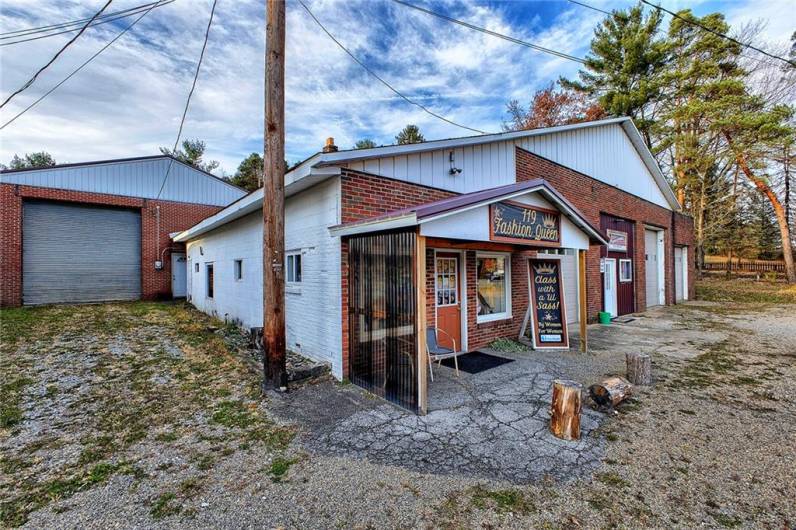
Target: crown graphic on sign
column 544, row 269
column 549, row 221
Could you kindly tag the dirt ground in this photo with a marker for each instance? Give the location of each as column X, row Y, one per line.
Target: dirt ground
column 150, row 415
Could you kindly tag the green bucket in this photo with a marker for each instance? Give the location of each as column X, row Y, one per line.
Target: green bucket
column 605, row 318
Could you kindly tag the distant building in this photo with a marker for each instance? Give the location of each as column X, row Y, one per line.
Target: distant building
column 385, row 243
column 98, row 231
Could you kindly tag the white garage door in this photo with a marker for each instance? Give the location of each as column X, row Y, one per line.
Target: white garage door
column 77, row 253
column 652, row 261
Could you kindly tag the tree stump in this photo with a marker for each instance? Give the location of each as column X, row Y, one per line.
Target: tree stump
column 612, row 391
column 639, row 368
column 565, row 409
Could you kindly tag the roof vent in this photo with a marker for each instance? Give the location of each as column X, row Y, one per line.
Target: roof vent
column 330, row 147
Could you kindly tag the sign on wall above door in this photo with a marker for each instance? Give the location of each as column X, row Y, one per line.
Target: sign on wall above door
column 617, row 240
column 513, row 222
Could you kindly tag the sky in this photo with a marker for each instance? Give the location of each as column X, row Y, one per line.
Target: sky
column 129, row 100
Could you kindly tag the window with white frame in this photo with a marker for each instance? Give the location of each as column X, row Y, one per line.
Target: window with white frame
column 238, row 270
column 625, row 270
column 493, row 284
column 293, row 267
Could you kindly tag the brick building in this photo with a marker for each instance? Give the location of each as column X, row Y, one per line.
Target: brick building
column 527, row 235
column 100, row 231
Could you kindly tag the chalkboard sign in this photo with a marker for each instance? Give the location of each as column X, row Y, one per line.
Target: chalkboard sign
column 548, row 314
column 514, row 222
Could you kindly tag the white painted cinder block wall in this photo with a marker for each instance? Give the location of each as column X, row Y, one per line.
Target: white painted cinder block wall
column 313, row 313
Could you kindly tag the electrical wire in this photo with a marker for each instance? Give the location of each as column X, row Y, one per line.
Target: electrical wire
column 76, row 70
column 188, row 100
column 493, row 33
column 52, row 27
column 51, row 61
column 385, row 83
column 719, row 34
column 104, row 20
column 591, row 7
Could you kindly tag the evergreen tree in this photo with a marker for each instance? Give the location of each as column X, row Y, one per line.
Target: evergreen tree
column 30, row 160
column 249, row 175
column 365, row 143
column 409, row 135
column 191, row 153
column 622, row 69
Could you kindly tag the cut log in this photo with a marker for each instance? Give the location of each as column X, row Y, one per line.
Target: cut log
column 612, row 391
column 639, row 368
column 565, row 409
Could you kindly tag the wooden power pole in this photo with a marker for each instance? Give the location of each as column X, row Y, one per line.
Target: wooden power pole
column 274, row 362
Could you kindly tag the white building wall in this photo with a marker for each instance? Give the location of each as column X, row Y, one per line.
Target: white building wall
column 313, row 312
column 604, row 153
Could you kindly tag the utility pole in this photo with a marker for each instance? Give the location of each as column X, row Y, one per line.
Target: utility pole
column 274, row 362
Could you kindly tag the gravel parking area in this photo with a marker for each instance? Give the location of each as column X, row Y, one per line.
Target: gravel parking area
column 149, row 415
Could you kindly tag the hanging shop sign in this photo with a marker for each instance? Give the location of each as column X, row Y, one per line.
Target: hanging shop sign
column 548, row 320
column 617, row 240
column 513, row 222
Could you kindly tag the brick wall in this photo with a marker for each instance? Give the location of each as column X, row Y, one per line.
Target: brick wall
column 174, row 217
column 592, row 198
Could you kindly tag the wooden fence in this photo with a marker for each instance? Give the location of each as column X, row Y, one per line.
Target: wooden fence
column 741, row 265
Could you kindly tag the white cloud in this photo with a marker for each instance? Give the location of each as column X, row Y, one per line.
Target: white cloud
column 129, row 100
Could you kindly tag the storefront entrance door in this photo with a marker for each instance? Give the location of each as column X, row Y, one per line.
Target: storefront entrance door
column 447, row 293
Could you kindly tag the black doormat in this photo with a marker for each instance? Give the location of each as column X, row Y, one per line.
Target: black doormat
column 477, row 362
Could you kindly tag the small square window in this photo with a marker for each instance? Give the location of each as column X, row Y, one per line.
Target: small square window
column 293, row 268
column 625, row 270
column 210, row 280
column 238, row 269
column 196, row 267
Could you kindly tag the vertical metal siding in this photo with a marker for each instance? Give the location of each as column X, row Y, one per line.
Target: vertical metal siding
column 133, row 178
column 76, row 253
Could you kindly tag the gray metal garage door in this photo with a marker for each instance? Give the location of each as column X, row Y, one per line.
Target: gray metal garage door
column 76, row 253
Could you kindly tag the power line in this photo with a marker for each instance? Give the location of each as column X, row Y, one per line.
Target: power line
column 591, row 7
column 76, row 70
column 493, row 33
column 51, row 61
column 105, row 20
column 52, row 27
column 188, row 100
column 718, row 34
column 385, row 83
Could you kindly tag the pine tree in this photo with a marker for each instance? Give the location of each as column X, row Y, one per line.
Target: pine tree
column 410, row 135
column 622, row 69
column 365, row 143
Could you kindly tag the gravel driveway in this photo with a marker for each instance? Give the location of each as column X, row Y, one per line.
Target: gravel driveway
column 149, row 416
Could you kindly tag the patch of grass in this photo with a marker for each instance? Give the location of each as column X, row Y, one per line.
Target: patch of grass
column 508, row 346
column 169, row 436
column 233, row 414
column 279, row 467
column 727, row 521
column 273, row 437
column 165, row 505
column 612, row 479
column 502, row 501
column 10, row 397
column 191, row 487
column 708, row 369
column 205, row 462
column 740, row 290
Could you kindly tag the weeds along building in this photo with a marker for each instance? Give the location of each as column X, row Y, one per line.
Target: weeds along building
column 100, row 231
column 383, row 244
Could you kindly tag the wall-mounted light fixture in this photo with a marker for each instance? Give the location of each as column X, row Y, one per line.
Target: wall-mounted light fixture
column 453, row 170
